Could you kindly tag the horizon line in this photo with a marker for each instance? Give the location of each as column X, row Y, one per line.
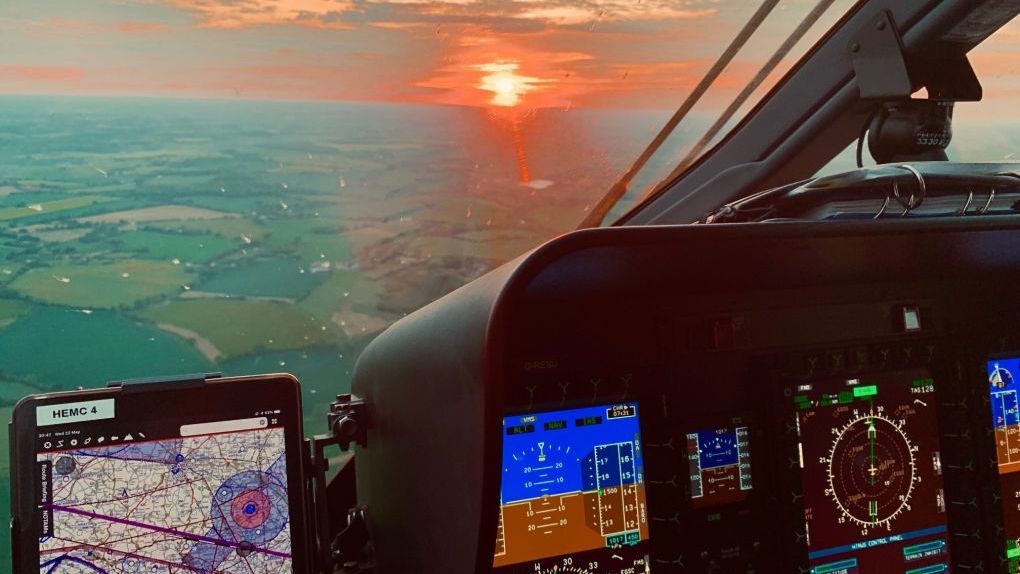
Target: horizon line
column 321, row 101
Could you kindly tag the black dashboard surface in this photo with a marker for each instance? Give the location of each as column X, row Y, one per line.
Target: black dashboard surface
column 749, row 398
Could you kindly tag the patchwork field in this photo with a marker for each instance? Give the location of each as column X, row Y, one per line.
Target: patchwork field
column 190, row 248
column 159, row 213
column 93, row 348
column 51, row 206
column 11, row 310
column 103, row 285
column 274, row 277
column 240, row 327
column 231, row 228
column 146, row 237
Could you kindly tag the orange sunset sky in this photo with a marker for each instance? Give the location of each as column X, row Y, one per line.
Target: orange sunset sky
column 587, row 53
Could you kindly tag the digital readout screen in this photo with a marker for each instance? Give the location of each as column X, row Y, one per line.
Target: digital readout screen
column 872, row 474
column 572, row 482
column 719, row 465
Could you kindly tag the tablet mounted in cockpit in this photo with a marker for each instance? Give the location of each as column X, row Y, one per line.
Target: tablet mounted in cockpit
column 196, row 476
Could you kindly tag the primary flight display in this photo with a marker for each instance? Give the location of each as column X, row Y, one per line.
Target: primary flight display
column 573, row 482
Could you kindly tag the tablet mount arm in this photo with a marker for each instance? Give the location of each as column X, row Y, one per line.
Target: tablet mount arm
column 350, row 550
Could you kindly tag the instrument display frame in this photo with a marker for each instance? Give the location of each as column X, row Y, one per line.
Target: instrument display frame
column 139, row 414
column 1007, row 483
column 860, row 386
column 634, row 554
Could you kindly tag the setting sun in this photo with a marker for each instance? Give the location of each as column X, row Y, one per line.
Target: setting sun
column 507, row 86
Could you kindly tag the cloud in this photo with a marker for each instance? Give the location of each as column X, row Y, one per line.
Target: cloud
column 592, row 13
column 41, row 73
column 369, row 56
column 522, row 15
column 140, row 27
column 74, row 26
column 245, row 13
column 533, row 53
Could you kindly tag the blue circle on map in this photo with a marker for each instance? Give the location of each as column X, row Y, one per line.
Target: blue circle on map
column 242, row 484
column 179, row 458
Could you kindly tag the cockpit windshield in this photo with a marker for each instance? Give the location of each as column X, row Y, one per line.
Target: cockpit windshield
column 264, row 185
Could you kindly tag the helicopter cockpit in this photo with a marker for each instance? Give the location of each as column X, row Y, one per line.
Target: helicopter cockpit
column 785, row 357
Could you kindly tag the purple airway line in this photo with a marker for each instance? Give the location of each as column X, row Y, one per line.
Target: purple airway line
column 161, row 529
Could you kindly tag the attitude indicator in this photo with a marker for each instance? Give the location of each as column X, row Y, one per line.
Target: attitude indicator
column 572, row 487
column 719, row 465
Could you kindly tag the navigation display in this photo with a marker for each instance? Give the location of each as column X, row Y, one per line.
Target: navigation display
column 573, row 484
column 214, row 502
column 872, row 474
column 719, row 463
column 133, row 482
column 1002, row 388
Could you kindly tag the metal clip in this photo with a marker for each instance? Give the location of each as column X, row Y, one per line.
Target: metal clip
column 991, row 196
column 882, row 209
column 913, row 202
column 966, row 204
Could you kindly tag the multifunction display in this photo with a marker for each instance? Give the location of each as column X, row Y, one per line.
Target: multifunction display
column 573, row 491
column 719, row 465
column 872, row 474
column 208, row 497
column 1002, row 388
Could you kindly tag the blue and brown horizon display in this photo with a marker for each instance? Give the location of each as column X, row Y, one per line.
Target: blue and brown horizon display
column 719, row 465
column 1002, row 389
column 572, row 481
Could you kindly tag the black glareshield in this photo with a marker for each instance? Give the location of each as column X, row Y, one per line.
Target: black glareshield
column 191, row 477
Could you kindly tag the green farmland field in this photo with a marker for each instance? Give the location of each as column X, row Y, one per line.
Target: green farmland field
column 105, row 285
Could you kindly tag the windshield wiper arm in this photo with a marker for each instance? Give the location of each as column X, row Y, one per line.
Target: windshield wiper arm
column 748, row 90
column 605, row 204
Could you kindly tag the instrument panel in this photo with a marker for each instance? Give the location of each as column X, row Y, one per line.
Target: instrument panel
column 743, row 399
column 846, row 460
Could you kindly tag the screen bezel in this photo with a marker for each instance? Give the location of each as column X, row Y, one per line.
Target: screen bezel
column 940, row 381
column 545, row 408
column 137, row 403
column 732, row 422
column 984, row 392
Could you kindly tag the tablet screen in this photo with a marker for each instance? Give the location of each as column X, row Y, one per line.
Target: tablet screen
column 206, row 496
